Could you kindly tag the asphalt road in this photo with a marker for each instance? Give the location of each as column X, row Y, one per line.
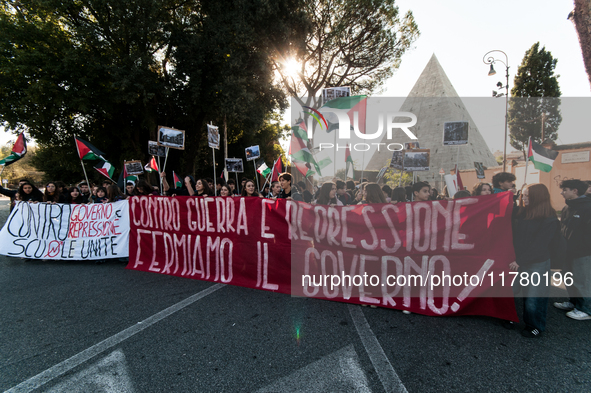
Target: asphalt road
column 83, row 327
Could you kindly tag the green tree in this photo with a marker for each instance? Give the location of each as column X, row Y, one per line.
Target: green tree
column 356, row 43
column 392, row 177
column 534, row 108
column 112, row 71
column 581, row 17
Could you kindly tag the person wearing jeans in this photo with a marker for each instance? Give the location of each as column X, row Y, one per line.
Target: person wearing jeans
column 575, row 221
column 534, row 226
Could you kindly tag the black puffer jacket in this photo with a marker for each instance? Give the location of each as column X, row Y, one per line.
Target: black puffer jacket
column 576, row 226
column 532, row 239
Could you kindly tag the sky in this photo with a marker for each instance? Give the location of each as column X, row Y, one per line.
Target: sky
column 460, row 32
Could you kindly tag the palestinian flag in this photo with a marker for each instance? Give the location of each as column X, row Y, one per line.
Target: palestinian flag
column 177, row 182
column 351, row 104
column 262, row 168
column 105, row 168
column 277, row 169
column 124, row 178
column 323, row 163
column 18, row 151
column 542, row 158
column 299, row 151
column 298, row 148
column 86, row 151
column 303, row 168
column 151, row 166
column 128, row 178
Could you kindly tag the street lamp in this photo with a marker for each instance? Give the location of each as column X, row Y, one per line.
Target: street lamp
column 491, row 60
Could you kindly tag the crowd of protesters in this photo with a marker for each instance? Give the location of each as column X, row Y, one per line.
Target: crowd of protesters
column 539, row 238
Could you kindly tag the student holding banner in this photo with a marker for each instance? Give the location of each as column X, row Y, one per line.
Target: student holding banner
column 74, row 196
column 27, row 192
column 482, row 189
column 421, row 191
column 503, row 181
column 327, row 195
column 534, row 227
column 398, row 195
column 201, row 187
column 225, row 191
column 285, row 181
column 275, row 190
column 250, row 190
column 144, row 188
column 51, row 194
column 374, row 194
column 114, row 193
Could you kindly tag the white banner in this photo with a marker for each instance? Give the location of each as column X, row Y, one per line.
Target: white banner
column 58, row 231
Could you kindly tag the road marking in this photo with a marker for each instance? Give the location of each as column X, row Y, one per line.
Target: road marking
column 109, row 375
column 61, row 368
column 390, row 380
column 339, row 371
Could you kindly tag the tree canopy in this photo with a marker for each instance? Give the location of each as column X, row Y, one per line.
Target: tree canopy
column 535, row 101
column 356, row 43
column 112, row 71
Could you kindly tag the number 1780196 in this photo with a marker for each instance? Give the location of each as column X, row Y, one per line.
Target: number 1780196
column 535, row 279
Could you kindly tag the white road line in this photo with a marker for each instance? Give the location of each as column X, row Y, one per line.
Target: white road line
column 390, row 380
column 59, row 369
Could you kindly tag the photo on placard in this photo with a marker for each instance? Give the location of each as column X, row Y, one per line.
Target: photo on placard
column 381, row 174
column 411, row 145
column 455, row 133
column 330, row 93
column 171, row 137
column 252, row 153
column 479, row 170
column 133, row 167
column 234, row 165
column 213, row 136
column 397, row 161
column 416, row 160
column 154, row 149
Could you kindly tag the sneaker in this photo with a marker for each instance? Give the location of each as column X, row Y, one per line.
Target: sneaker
column 509, row 325
column 578, row 315
column 406, row 312
column 531, row 332
column 564, row 305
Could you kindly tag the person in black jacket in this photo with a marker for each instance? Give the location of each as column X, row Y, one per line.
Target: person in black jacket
column 534, row 226
column 575, row 221
column 12, row 193
column 27, row 192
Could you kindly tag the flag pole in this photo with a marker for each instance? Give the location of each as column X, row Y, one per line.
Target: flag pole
column 362, row 165
column 81, row 163
column 526, row 162
column 215, row 184
column 256, row 174
column 267, row 180
column 165, row 159
column 160, row 170
column 237, row 187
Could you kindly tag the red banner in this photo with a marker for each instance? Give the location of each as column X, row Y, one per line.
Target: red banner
column 432, row 258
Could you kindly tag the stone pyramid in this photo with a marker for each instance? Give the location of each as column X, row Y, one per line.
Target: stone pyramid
column 434, row 101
